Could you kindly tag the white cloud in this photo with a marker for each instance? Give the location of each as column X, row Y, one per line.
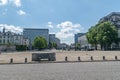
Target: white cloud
column 12, row 28
column 21, row 12
column 3, row 2
column 63, row 35
column 65, row 30
column 50, row 25
column 17, row 3
column 68, row 29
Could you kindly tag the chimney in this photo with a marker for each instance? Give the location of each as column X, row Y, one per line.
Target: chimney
column 3, row 29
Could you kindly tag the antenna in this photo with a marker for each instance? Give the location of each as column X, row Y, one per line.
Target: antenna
column 3, row 28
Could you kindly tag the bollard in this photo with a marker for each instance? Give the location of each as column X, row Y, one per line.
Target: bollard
column 25, row 60
column 103, row 57
column 11, row 60
column 79, row 59
column 91, row 58
column 66, row 58
column 116, row 58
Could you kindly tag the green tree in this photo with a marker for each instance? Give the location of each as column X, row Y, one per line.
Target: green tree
column 21, row 47
column 77, row 46
column 52, row 45
column 92, row 35
column 40, row 43
column 104, row 34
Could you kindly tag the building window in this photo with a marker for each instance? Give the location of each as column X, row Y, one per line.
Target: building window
column 0, row 41
column 4, row 41
column 8, row 41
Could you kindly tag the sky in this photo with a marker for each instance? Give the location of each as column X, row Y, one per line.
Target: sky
column 62, row 17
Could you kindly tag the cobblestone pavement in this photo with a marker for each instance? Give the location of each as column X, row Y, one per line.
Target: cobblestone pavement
column 61, row 71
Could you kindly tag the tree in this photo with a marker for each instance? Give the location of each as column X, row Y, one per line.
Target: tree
column 92, row 35
column 104, row 34
column 77, row 46
column 52, row 45
column 40, row 43
column 21, row 47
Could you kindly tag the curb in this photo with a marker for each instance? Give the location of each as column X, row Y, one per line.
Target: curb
column 37, row 62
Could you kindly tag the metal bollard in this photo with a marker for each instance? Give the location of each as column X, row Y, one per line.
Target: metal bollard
column 116, row 58
column 66, row 58
column 103, row 57
column 79, row 59
column 11, row 60
column 25, row 60
column 91, row 58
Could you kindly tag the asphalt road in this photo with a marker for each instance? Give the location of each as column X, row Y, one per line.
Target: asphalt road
column 61, row 71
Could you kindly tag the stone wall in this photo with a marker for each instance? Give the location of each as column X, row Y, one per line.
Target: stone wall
column 86, row 55
column 17, row 57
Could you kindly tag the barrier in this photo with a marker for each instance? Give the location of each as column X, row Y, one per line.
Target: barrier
column 25, row 60
column 11, row 60
column 91, row 58
column 103, row 57
column 79, row 59
column 66, row 59
column 116, row 58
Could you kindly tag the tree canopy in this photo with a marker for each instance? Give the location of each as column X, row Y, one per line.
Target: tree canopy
column 103, row 33
column 53, row 45
column 40, row 43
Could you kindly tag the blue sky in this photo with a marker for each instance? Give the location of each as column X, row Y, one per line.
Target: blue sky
column 62, row 17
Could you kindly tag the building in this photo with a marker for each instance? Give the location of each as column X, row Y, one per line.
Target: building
column 64, row 46
column 54, row 39
column 113, row 17
column 8, row 40
column 77, row 36
column 82, row 40
column 32, row 33
column 7, row 37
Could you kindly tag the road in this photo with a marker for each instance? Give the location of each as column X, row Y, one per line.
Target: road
column 61, row 71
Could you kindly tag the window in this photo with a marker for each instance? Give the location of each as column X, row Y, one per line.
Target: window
column 0, row 41
column 8, row 41
column 3, row 41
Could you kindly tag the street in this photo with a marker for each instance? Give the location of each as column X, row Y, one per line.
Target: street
column 61, row 71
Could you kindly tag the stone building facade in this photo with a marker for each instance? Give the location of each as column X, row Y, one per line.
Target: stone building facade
column 7, row 37
column 8, row 40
